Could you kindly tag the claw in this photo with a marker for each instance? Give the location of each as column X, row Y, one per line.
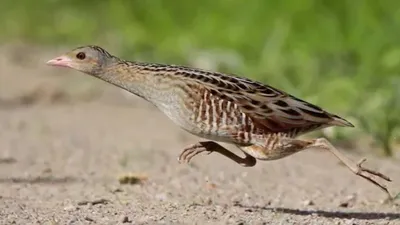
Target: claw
column 378, row 174
column 362, row 169
column 361, row 162
column 191, row 151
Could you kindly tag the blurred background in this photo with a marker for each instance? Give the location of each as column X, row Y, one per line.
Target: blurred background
column 341, row 55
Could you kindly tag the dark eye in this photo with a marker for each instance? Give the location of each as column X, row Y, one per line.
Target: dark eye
column 81, row 55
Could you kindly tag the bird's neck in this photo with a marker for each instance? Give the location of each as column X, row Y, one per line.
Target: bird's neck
column 133, row 78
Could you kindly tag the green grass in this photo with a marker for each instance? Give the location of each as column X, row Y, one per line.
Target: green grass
column 342, row 55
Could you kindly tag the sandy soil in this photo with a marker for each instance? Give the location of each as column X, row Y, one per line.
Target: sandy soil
column 65, row 140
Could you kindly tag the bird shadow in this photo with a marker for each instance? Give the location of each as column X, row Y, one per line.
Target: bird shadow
column 38, row 180
column 328, row 214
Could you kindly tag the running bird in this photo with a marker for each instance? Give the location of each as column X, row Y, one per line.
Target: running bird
column 261, row 120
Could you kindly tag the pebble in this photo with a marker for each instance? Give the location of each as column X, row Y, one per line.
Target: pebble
column 125, row 219
column 308, row 203
column 70, row 208
column 348, row 202
column 89, row 219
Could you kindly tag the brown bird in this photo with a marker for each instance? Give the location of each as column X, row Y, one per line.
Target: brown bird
column 261, row 120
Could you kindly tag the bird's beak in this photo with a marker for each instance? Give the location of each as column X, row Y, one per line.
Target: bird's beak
column 63, row 61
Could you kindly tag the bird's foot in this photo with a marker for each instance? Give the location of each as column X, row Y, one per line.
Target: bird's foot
column 365, row 173
column 193, row 150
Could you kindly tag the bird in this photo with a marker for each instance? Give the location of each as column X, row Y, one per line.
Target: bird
column 264, row 122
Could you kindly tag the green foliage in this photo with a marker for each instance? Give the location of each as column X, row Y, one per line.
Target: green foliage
column 384, row 124
column 342, row 55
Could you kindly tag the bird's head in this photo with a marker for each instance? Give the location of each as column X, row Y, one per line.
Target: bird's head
column 87, row 59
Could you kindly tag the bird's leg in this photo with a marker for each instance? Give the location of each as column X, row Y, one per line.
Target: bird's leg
column 209, row 147
column 356, row 168
column 288, row 146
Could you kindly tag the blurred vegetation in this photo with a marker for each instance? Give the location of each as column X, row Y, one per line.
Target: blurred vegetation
column 343, row 55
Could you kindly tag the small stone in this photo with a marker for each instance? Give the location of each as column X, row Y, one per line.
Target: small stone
column 348, row 202
column 308, row 203
column 211, row 186
column 208, row 201
column 117, row 190
column 236, row 203
column 132, row 178
column 89, row 219
column 350, row 221
column 125, row 219
column 95, row 202
column 69, row 208
column 240, row 222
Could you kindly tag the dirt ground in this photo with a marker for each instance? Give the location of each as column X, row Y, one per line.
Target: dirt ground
column 66, row 140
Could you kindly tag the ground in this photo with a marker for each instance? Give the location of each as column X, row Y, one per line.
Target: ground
column 65, row 140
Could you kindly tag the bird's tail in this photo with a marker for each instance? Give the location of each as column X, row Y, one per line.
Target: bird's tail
column 339, row 121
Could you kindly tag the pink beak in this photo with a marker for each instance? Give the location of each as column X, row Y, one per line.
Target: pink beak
column 62, row 61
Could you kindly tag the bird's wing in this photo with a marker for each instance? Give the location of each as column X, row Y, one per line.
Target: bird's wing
column 271, row 108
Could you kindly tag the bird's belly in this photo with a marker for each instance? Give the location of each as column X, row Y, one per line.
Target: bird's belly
column 232, row 126
column 183, row 117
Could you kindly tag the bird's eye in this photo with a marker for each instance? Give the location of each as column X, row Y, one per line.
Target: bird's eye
column 81, row 55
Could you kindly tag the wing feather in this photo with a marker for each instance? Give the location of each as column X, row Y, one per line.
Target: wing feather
column 274, row 109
